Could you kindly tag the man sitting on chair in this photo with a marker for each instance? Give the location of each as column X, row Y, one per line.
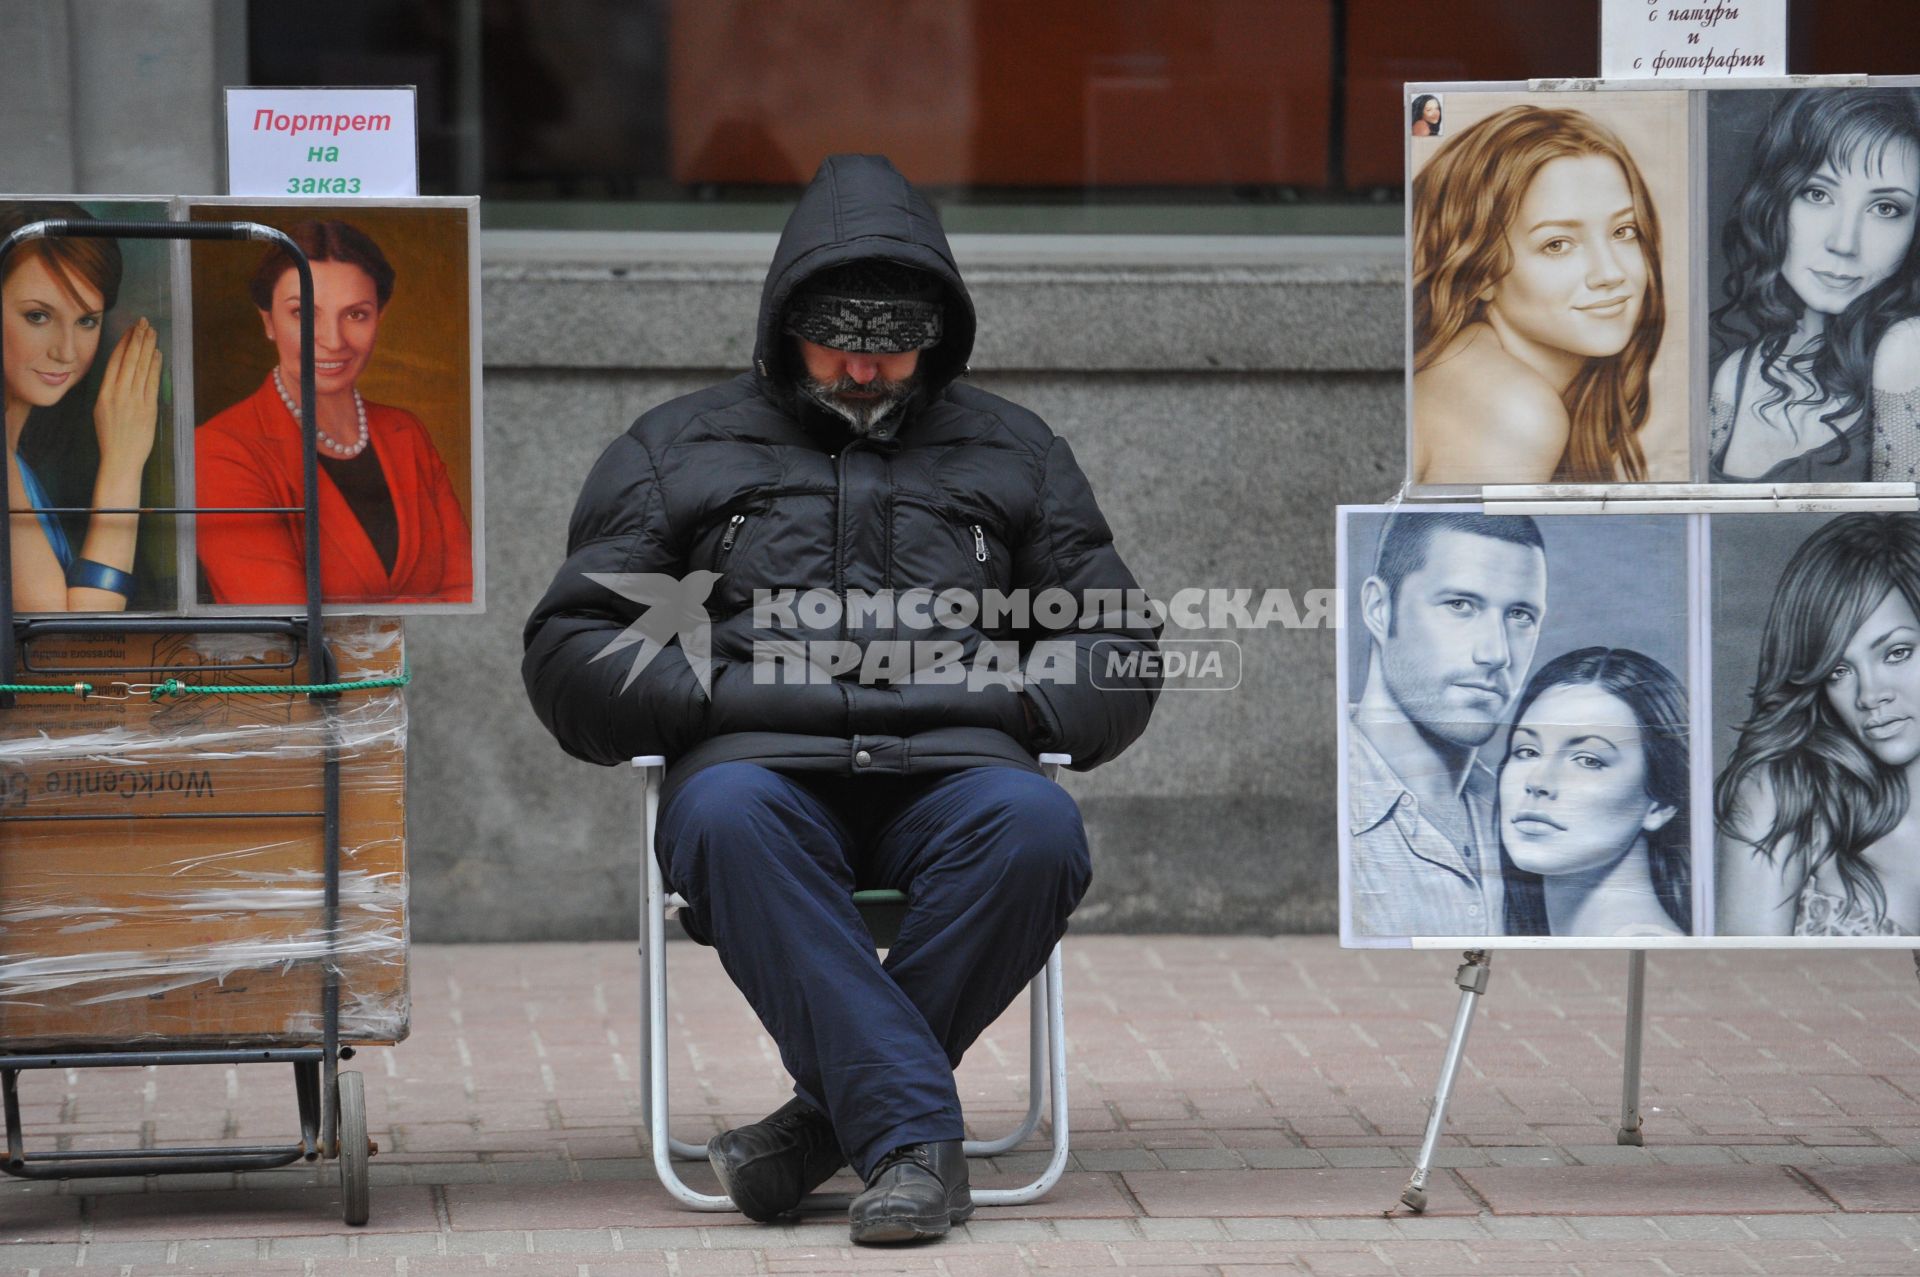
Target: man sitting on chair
column 857, row 714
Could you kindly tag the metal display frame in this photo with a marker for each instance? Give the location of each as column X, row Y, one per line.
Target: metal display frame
column 331, row 1102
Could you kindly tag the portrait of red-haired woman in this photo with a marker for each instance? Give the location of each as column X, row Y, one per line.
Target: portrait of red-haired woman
column 1542, row 291
column 86, row 405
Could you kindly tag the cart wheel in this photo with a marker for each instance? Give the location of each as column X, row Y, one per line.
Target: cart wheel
column 351, row 1130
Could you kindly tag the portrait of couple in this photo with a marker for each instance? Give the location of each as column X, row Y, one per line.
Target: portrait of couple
column 1516, row 732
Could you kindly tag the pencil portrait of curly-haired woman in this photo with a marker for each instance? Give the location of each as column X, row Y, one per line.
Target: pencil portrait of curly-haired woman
column 1816, row 340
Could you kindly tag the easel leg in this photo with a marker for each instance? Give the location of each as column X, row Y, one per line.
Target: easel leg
column 1629, row 1132
column 1472, row 979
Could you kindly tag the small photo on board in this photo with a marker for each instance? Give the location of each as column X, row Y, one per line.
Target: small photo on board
column 1548, row 287
column 1514, row 727
column 396, row 362
column 1815, row 730
column 1813, row 196
column 1427, row 115
column 89, row 405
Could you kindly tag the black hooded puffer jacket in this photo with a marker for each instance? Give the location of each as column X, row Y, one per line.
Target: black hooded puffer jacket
column 752, row 481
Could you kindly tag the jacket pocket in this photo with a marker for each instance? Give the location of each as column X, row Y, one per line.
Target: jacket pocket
column 736, row 531
column 987, row 551
column 739, row 575
column 970, row 536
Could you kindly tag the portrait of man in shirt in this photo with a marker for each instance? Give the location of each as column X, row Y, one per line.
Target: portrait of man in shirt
column 1452, row 611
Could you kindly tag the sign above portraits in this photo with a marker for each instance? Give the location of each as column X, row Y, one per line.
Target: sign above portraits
column 327, row 142
column 1675, row 40
column 1668, row 281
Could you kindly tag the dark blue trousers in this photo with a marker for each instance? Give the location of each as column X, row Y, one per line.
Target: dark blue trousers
column 992, row 860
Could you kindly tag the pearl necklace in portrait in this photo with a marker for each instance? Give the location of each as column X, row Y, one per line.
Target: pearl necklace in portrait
column 345, row 452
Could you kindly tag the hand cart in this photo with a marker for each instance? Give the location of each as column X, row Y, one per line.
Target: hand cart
column 332, row 1103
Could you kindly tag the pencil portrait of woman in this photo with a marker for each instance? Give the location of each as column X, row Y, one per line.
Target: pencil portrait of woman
column 392, row 529
column 1426, row 115
column 57, row 294
column 1593, row 799
column 1816, row 828
column 1539, row 303
column 1816, row 344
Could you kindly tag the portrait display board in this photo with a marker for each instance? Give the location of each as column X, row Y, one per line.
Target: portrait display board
column 1620, row 283
column 1515, row 726
column 397, row 327
column 1643, row 731
column 90, row 394
column 1680, row 717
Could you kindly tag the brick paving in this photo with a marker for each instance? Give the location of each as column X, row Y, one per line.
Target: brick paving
column 1240, row 1106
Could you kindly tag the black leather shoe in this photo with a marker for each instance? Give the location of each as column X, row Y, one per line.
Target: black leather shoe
column 767, row 1167
column 916, row 1191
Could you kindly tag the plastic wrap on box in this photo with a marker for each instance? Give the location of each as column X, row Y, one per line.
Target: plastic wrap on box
column 162, row 861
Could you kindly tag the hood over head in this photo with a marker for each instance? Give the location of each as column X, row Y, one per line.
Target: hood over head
column 859, row 208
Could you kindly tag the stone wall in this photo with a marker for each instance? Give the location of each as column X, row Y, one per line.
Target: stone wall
column 116, row 96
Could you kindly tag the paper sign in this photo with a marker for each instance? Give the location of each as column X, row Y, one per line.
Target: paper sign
column 322, row 142
column 1677, row 40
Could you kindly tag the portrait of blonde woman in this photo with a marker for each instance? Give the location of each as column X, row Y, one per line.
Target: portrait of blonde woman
column 1541, row 301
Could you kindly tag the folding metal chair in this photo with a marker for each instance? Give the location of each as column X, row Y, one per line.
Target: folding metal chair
column 881, row 911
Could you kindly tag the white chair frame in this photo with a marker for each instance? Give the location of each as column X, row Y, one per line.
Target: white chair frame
column 1047, row 1041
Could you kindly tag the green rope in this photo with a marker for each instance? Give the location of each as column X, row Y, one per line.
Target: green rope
column 174, row 687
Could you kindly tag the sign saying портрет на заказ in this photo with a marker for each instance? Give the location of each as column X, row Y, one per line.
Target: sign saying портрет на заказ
column 317, row 142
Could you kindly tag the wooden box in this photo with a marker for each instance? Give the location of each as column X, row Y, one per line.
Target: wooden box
column 162, row 861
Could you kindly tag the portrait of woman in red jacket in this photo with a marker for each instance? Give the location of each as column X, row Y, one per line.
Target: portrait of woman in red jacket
column 392, row 529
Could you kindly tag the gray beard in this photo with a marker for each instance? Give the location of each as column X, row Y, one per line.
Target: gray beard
column 864, row 418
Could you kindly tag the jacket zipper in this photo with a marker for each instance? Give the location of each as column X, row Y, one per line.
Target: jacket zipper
column 733, row 530
column 979, row 543
column 840, row 532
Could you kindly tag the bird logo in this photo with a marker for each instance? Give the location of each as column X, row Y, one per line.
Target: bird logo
column 674, row 607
